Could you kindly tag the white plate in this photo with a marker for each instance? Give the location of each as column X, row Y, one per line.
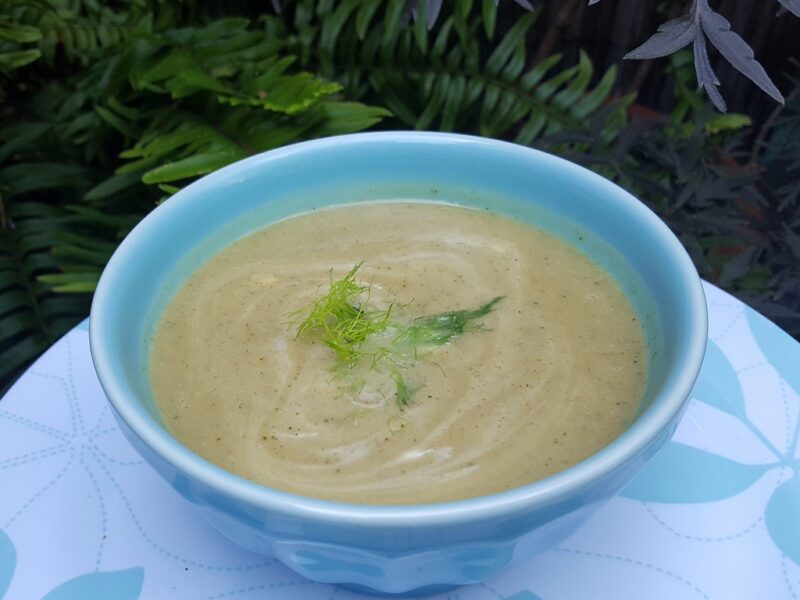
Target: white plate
column 716, row 515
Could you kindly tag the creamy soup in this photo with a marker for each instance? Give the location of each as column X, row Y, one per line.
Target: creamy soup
column 551, row 375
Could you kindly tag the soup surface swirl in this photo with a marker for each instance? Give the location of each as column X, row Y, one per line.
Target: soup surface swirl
column 556, row 373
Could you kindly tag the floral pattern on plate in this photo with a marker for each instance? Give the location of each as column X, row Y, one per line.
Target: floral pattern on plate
column 715, row 515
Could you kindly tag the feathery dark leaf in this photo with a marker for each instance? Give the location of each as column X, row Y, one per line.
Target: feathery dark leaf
column 706, row 77
column 735, row 49
column 793, row 6
column 739, row 266
column 671, row 37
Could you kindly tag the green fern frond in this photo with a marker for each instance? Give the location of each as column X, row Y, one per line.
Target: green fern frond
column 32, row 317
column 79, row 30
column 181, row 145
column 184, row 102
column 15, row 42
column 451, row 78
column 239, row 95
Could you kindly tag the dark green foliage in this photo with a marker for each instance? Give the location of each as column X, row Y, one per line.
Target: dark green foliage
column 32, row 316
column 462, row 75
column 738, row 218
column 32, row 29
column 777, row 249
column 223, row 92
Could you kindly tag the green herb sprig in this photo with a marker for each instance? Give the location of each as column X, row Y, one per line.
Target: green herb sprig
column 439, row 329
column 357, row 333
column 342, row 318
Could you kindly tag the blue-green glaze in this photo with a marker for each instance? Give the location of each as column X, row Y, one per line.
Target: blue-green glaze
column 398, row 549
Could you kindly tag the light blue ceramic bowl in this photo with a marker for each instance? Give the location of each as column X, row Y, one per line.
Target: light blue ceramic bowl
column 399, row 549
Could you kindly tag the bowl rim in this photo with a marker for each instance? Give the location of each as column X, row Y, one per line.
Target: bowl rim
column 667, row 404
